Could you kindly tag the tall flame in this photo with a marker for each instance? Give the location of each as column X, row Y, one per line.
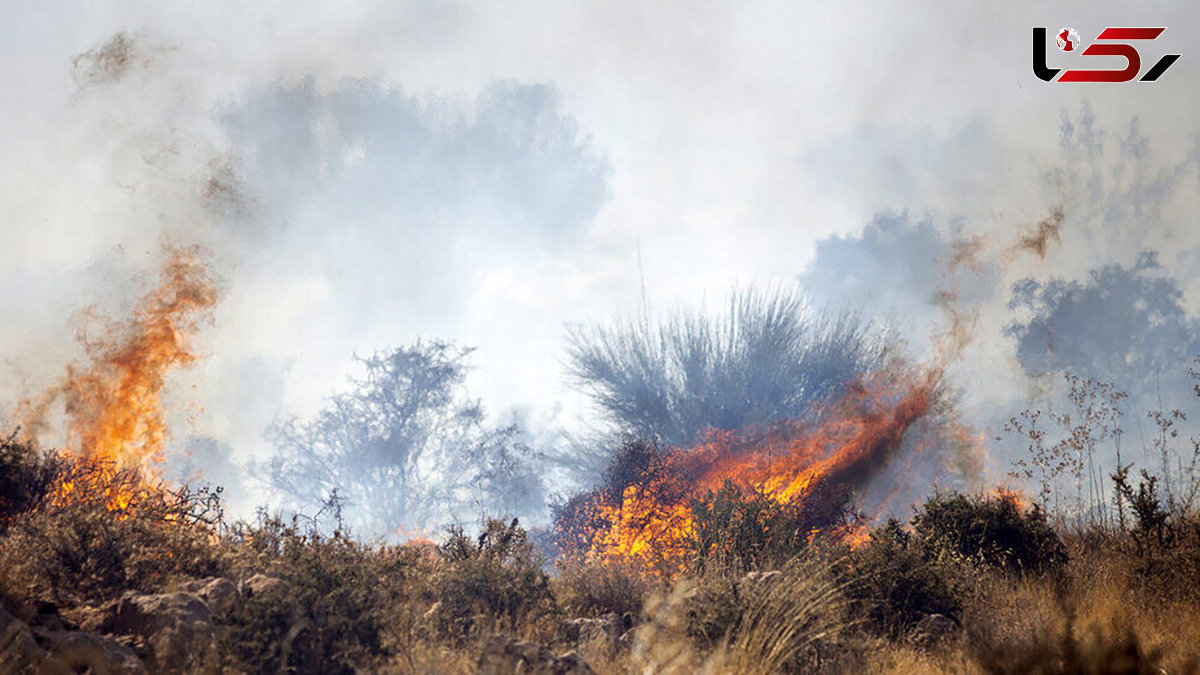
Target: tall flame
column 114, row 400
column 805, row 464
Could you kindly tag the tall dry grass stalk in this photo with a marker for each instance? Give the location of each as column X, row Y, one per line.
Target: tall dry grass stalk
column 784, row 618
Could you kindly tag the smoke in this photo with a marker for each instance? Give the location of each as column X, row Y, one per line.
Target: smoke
column 1092, row 288
column 367, row 175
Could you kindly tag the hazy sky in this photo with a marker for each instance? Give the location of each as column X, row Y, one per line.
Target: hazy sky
column 367, row 173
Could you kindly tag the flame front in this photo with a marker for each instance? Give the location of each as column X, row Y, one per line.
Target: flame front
column 803, row 464
column 117, row 422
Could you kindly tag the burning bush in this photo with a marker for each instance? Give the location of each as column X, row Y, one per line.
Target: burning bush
column 79, row 548
column 27, row 477
column 749, row 529
column 753, row 494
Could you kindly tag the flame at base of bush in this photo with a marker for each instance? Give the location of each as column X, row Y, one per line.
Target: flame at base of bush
column 117, row 422
column 791, row 482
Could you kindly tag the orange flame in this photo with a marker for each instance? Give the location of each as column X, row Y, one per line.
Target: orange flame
column 114, row 401
column 802, row 464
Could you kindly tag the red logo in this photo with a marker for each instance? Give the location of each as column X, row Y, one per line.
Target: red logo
column 1110, row 42
column 1067, row 39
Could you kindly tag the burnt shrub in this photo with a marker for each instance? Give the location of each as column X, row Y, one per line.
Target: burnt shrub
column 497, row 575
column 893, row 586
column 989, row 529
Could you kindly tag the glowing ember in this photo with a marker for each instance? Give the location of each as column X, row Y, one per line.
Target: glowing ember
column 114, row 402
column 813, row 465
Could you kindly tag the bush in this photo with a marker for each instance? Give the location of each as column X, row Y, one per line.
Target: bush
column 763, row 622
column 746, row 528
column 497, row 575
column 593, row 589
column 404, row 444
column 990, row 529
column 27, row 475
column 1113, row 652
column 341, row 598
column 892, row 584
column 769, row 358
column 89, row 546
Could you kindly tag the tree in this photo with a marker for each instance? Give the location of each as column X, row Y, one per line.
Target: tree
column 769, row 357
column 404, row 449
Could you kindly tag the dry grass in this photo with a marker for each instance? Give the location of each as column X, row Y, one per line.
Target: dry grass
column 1117, row 605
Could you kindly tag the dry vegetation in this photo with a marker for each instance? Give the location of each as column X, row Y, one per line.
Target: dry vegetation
column 971, row 584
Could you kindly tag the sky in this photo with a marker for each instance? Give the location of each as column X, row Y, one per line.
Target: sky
column 365, row 174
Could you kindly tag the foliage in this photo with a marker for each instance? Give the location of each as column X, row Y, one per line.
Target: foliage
column 768, row 358
column 496, row 575
column 404, row 448
column 339, row 599
column 80, row 547
column 747, row 528
column 989, row 529
column 27, row 475
column 893, row 583
column 762, row 622
column 597, row 588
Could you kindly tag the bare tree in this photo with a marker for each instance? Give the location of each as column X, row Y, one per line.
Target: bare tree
column 404, row 449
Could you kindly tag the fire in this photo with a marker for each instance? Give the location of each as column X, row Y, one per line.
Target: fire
column 113, row 402
column 813, row 465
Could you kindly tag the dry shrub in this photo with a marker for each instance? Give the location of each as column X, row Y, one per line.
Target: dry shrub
column 27, row 475
column 989, row 529
column 596, row 588
column 736, row 525
column 893, row 584
column 492, row 582
column 787, row 620
column 81, row 548
column 1116, row 651
column 1089, row 618
column 340, row 610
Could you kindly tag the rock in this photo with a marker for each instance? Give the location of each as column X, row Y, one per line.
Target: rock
column 931, row 630
column 20, row 653
column 220, row 594
column 607, row 629
column 174, row 628
column 263, row 586
column 83, row 652
column 504, row 655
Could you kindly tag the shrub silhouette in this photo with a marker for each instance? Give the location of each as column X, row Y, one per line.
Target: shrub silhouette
column 768, row 358
column 405, row 445
column 746, row 528
column 27, row 475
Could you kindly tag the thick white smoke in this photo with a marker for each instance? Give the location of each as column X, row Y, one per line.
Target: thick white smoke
column 372, row 173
